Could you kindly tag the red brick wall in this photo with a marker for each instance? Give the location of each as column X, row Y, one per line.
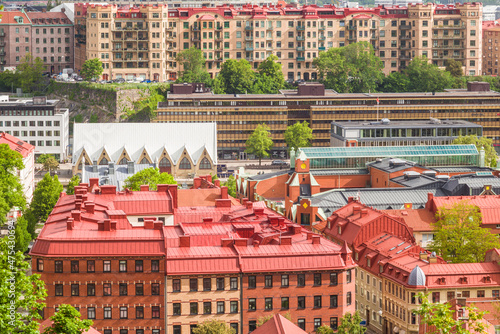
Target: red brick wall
column 329, row 182
column 115, row 300
column 274, row 187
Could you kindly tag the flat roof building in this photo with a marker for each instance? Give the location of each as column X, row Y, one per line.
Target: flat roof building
column 401, row 133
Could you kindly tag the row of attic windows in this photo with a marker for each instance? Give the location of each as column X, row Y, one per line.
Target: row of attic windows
column 164, row 163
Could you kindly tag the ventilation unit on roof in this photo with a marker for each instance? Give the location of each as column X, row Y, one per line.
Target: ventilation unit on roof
column 430, row 173
column 411, row 175
column 443, row 177
column 385, row 121
column 396, row 162
column 484, row 174
column 435, row 121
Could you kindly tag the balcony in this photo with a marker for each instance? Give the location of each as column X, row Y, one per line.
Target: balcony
column 321, row 48
column 219, row 60
column 219, row 28
column 170, row 28
column 300, row 38
column 321, row 38
column 218, row 39
column 170, row 37
column 300, row 48
column 249, row 59
column 405, row 47
column 2, row 44
column 3, row 62
column 458, row 26
column 448, row 37
column 194, row 39
column 404, row 37
column 405, row 27
column 248, row 27
column 248, row 38
column 321, row 28
column 404, row 57
column 301, row 28
column 249, row 48
column 301, row 58
column 374, row 37
column 195, row 28
column 351, row 27
column 452, row 47
column 351, row 38
column 2, row 53
column 2, row 34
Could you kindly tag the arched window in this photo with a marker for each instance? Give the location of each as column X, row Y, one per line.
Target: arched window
column 123, row 161
column 144, row 161
column 165, row 166
column 185, row 164
column 80, row 166
column 205, row 164
column 103, row 162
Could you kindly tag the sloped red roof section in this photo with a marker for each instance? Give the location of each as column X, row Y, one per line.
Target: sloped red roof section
column 15, row 143
column 279, row 325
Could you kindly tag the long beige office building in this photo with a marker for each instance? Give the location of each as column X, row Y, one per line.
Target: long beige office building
column 296, row 35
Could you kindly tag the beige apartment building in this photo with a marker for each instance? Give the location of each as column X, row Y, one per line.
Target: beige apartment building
column 144, row 41
column 491, row 44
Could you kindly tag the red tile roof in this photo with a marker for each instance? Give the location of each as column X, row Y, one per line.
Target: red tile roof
column 9, row 18
column 489, row 206
column 47, row 15
column 418, row 219
column 15, row 143
column 279, row 325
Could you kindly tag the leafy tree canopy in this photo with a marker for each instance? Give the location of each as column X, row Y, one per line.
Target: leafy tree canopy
column 11, row 190
column 260, row 142
column 351, row 324
column 454, row 67
column 350, row 69
column 324, row 329
column 22, row 236
column 73, row 182
column 45, row 198
column 91, row 69
column 50, row 164
column 30, row 73
column 41, row 159
column 26, row 292
column 269, row 77
column 231, row 186
column 458, row 235
column 298, row 135
column 213, row 327
column 68, row 321
column 150, row 176
column 426, row 77
column 193, row 64
column 235, row 77
column 481, row 143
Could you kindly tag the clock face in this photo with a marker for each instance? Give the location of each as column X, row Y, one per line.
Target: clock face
column 303, row 166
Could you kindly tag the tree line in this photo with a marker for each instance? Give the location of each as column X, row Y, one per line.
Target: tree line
column 349, row 69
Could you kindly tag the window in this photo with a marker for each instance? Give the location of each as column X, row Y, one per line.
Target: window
column 334, row 322
column 301, row 302
column 252, row 325
column 252, row 304
column 106, row 289
column 59, row 289
column 107, row 313
column 301, row 323
column 185, row 164
column 348, row 298
column 155, row 289
column 91, row 313
column 301, row 280
column 193, row 284
column 139, row 266
column 155, row 266
column 348, row 276
column 177, row 329
column 252, row 282
column 436, row 297
column 207, row 308
column 234, row 326
column 90, row 289
column 58, row 266
column 317, row 301
column 75, row 290
column 495, row 293
column 75, row 267
column 123, row 266
column 317, row 323
column 139, row 289
column 268, row 281
column 268, row 304
column 220, row 283
column 123, row 289
column 155, row 311
column 176, row 285
column 233, row 306
column 333, row 301
column 234, row 283
column 480, row 293
column 106, row 266
column 450, row 295
column 220, row 308
column 90, row 266
column 123, row 312
column 285, row 303
column 193, row 308
column 205, row 164
column 139, row 312
column 317, row 279
column 176, row 308
column 284, row 281
column 207, row 284
column 333, row 279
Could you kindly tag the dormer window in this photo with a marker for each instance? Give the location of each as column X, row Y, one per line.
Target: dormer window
column 442, row 280
column 369, row 262
column 463, row 280
column 340, row 230
column 487, row 279
column 380, row 268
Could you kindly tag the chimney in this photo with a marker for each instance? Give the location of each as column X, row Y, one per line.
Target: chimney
column 316, row 239
column 356, row 209
column 162, row 188
column 70, row 223
column 62, row 194
column 208, row 178
column 309, row 235
column 172, row 189
column 350, row 199
column 184, row 241
column 197, row 182
column 94, row 166
column 112, row 226
column 94, row 181
column 433, row 258
column 76, row 215
column 144, row 187
column 222, row 203
column 111, row 168
column 149, row 223
column 223, row 193
column 249, row 205
column 107, row 224
column 244, row 201
column 78, row 204
column 90, row 207
column 364, row 212
column 286, row 240
column 108, row 189
column 63, row 10
column 296, row 229
column 226, row 242
column 259, row 212
column 130, row 167
column 423, row 256
column 217, row 183
column 158, row 225
column 240, row 242
column 84, row 185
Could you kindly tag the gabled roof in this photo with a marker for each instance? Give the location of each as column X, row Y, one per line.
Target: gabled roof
column 154, row 137
column 16, row 144
column 279, row 325
column 10, row 18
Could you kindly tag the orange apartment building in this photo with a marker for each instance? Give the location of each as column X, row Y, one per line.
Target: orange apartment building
column 491, row 44
column 294, row 34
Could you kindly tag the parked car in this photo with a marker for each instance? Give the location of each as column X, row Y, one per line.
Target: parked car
column 146, row 81
column 278, row 162
column 119, row 80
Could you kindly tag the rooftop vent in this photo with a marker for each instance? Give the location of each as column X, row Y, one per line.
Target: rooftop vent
column 443, row 177
column 411, row 175
column 430, row 173
column 385, row 121
column 396, row 162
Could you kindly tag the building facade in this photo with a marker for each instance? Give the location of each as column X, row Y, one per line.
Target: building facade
column 15, row 39
column 491, row 44
column 38, row 121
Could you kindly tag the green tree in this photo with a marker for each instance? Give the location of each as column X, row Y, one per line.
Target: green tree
column 150, row 176
column 73, row 182
column 23, row 237
column 426, row 77
column 324, row 329
column 11, row 190
column 395, row 82
column 49, row 5
column 235, row 77
column 30, row 73
column 350, row 69
column 231, row 186
column 51, row 164
column 44, row 199
column 440, row 319
column 298, row 135
column 454, row 67
column 458, row 235
column 490, row 155
column 68, row 321
column 145, row 107
column 351, row 324
column 259, row 142
column 213, row 327
column 91, row 69
column 21, row 295
column 43, row 157
column 269, row 78
column 194, row 69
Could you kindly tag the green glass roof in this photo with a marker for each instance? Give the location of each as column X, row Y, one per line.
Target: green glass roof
column 388, row 151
